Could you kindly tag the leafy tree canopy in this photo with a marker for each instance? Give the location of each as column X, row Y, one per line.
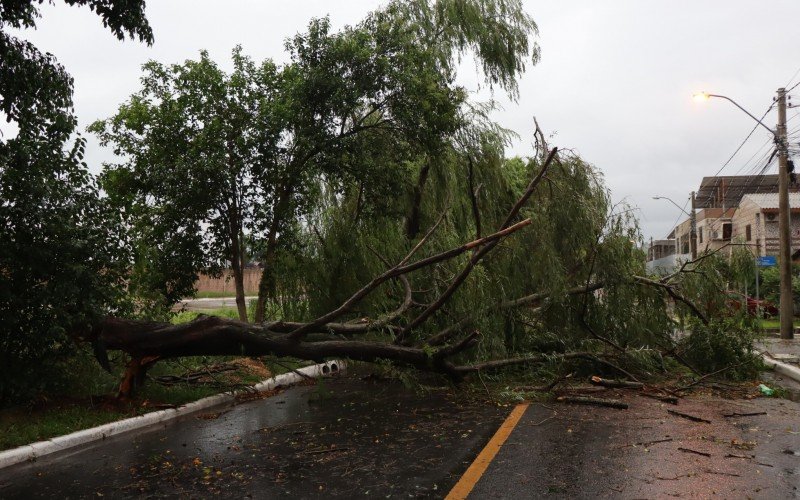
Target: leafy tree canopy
column 62, row 249
column 217, row 168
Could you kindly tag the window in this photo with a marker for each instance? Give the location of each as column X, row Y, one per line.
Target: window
column 700, row 234
column 727, row 229
column 748, row 233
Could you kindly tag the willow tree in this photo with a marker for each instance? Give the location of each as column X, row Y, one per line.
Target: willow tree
column 211, row 161
column 556, row 276
column 390, row 222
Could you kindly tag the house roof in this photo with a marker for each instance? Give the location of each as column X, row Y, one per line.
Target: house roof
column 727, row 190
column 769, row 201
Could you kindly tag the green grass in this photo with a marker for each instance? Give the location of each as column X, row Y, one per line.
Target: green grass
column 20, row 428
column 213, row 295
column 222, row 312
column 776, row 323
column 87, row 396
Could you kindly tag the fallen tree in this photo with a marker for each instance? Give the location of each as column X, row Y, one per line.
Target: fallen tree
column 398, row 336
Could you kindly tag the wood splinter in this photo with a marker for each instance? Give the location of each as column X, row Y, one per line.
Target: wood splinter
column 584, row 400
column 689, row 450
column 615, row 384
column 735, row 414
column 689, row 417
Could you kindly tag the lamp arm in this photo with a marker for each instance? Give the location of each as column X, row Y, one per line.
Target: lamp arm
column 774, row 133
column 670, row 200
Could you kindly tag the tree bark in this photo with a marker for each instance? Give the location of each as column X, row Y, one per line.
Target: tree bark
column 238, row 276
column 267, row 283
column 237, row 251
column 413, row 224
column 134, row 375
column 213, row 336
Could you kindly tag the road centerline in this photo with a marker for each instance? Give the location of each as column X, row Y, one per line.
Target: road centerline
column 473, row 474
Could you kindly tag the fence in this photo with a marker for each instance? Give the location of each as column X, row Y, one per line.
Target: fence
column 224, row 284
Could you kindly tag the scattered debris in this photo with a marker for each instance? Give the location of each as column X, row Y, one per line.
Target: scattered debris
column 326, row 450
column 647, row 444
column 673, row 400
column 766, row 390
column 650, row 443
column 617, row 384
column 709, row 471
column 584, row 400
column 197, row 376
column 690, row 417
column 735, row 414
column 689, row 450
column 542, row 388
column 743, row 445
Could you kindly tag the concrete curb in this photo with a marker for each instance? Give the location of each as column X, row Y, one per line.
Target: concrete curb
column 33, row 451
column 784, row 369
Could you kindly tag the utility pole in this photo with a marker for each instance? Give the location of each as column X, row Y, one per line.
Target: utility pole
column 693, row 233
column 784, row 222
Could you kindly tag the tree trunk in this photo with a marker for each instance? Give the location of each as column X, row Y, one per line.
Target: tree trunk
column 237, row 250
column 238, row 276
column 266, row 285
column 134, row 376
column 413, row 224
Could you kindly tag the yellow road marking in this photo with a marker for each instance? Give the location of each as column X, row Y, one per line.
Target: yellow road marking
column 471, row 477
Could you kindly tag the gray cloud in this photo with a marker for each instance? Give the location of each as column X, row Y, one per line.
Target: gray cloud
column 614, row 82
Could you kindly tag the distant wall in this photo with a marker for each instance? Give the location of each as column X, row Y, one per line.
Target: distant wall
column 668, row 264
column 224, row 284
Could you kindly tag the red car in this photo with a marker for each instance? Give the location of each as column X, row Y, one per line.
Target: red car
column 735, row 300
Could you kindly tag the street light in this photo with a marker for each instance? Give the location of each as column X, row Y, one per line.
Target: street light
column 705, row 96
column 784, row 221
column 692, row 227
column 670, row 200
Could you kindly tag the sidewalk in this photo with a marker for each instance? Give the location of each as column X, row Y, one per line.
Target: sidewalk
column 777, row 346
column 786, row 352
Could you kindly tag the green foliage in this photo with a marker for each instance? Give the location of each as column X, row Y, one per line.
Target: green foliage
column 62, row 262
column 218, row 167
column 725, row 343
column 770, row 284
column 62, row 250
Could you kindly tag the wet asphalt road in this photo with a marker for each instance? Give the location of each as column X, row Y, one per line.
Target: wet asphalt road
column 560, row 451
column 354, row 438
column 342, row 438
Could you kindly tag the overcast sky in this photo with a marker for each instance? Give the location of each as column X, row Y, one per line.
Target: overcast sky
column 614, row 83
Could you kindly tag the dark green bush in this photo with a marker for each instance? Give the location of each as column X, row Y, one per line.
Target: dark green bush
column 723, row 343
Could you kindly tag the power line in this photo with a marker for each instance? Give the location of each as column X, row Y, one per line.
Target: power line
column 747, row 164
column 740, row 147
column 792, row 78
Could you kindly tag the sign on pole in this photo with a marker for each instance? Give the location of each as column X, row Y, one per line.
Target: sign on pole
column 767, row 261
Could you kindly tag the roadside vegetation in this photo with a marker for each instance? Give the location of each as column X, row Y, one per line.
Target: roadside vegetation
column 85, row 396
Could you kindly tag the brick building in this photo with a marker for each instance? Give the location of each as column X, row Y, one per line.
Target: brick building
column 741, row 209
column 756, row 222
